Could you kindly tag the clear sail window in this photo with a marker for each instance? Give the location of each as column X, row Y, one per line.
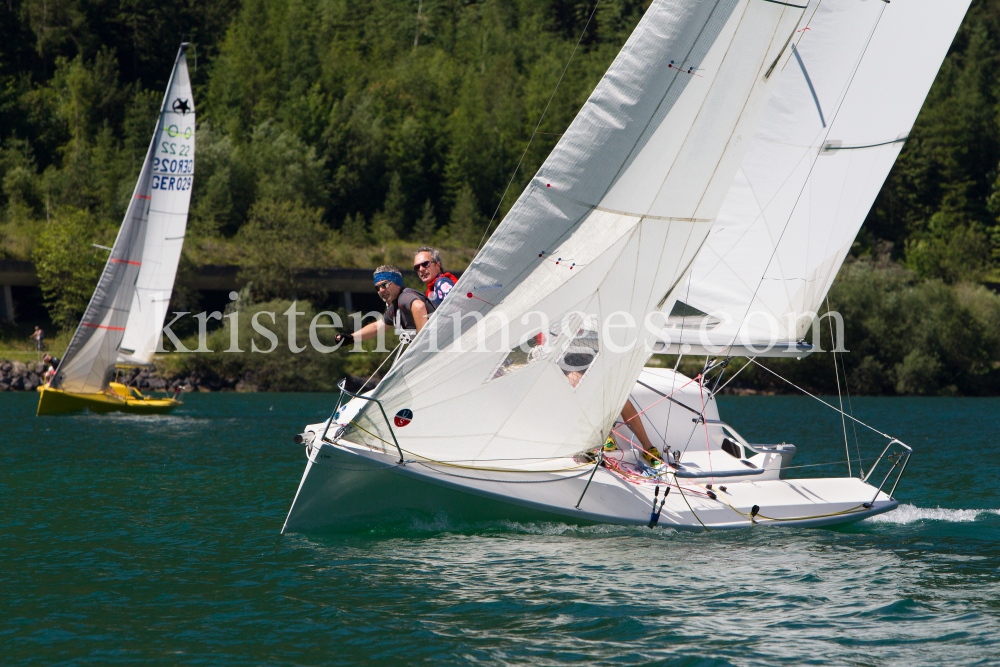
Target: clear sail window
column 581, row 351
column 539, row 347
column 572, row 343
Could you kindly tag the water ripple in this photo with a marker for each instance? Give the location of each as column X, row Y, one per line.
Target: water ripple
column 131, row 541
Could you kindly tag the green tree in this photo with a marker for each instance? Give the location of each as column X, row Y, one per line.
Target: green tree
column 67, row 264
column 354, row 231
column 387, row 224
column 423, row 230
column 279, row 240
column 467, row 224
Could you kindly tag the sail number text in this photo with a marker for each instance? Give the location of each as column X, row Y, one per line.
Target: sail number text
column 173, row 166
column 170, row 148
column 171, row 183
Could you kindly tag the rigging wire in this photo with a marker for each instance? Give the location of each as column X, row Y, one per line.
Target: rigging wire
column 851, row 417
column 743, row 368
column 537, row 125
column 840, row 397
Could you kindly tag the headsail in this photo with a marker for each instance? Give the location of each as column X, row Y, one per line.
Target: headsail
column 842, row 108
column 609, row 224
column 145, row 252
column 173, row 172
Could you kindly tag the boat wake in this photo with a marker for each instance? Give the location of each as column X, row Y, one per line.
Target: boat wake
column 905, row 514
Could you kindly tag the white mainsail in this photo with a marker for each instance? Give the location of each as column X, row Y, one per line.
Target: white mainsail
column 128, row 306
column 841, row 110
column 609, row 224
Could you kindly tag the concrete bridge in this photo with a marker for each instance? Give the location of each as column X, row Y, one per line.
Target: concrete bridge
column 353, row 287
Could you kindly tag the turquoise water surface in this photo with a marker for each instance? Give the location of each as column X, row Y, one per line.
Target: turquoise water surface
column 155, row 540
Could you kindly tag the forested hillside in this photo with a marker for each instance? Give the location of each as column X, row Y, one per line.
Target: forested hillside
column 361, row 128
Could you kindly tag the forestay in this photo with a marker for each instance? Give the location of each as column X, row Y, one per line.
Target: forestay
column 608, row 225
column 842, row 108
column 131, row 296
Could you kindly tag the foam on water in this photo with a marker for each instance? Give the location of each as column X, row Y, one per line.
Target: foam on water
column 907, row 513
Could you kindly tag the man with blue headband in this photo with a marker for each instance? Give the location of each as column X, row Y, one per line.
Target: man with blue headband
column 406, row 310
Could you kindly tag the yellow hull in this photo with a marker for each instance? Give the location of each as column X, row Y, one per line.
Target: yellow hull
column 116, row 399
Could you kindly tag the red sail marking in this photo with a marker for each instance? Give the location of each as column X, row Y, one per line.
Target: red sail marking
column 101, row 326
column 473, row 296
column 125, row 261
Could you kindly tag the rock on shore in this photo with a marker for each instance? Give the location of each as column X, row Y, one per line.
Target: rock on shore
column 20, row 376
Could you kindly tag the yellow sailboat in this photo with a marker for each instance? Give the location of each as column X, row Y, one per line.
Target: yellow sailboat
column 116, row 398
column 122, row 324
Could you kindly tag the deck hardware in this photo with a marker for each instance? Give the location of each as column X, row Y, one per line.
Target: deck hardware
column 379, row 403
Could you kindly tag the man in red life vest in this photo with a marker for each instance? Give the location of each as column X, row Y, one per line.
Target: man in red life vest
column 427, row 264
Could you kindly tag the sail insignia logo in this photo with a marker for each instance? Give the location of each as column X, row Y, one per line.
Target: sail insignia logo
column 403, row 417
column 181, row 106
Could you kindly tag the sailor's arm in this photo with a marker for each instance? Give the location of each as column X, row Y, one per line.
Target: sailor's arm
column 370, row 330
column 419, row 312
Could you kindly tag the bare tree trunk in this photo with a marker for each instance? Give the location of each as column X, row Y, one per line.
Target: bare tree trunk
column 416, row 37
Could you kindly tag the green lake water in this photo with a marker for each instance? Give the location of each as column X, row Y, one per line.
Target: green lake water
column 155, row 540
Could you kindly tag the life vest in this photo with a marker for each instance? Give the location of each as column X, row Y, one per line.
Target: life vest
column 443, row 274
column 406, row 336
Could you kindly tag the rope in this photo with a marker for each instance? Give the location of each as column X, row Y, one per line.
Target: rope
column 851, row 510
column 468, row 467
column 537, row 125
column 388, row 357
column 693, row 513
column 708, row 443
column 840, row 397
column 507, row 481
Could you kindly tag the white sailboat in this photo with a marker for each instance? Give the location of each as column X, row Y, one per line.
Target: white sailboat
column 122, row 324
column 613, row 222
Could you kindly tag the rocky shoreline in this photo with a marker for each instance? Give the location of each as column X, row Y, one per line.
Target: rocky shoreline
column 20, row 376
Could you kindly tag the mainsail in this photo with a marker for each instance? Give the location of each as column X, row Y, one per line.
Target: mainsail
column 841, row 110
column 131, row 297
column 532, row 355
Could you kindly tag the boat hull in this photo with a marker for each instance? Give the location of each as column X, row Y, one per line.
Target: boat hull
column 348, row 487
column 57, row 401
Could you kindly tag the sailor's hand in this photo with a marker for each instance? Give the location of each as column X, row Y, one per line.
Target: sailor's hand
column 344, row 338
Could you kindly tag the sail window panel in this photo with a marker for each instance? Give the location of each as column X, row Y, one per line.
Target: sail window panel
column 542, row 346
column 684, row 316
column 583, row 348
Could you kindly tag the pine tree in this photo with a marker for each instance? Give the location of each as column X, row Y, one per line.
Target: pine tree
column 354, row 230
column 387, row 224
column 423, row 230
column 466, row 226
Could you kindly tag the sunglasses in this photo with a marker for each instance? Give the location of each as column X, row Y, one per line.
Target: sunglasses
column 383, row 285
column 423, row 265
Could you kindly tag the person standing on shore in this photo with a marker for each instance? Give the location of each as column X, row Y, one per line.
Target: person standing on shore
column 427, row 264
column 38, row 336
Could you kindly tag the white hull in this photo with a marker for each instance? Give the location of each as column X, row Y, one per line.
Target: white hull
column 349, row 487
